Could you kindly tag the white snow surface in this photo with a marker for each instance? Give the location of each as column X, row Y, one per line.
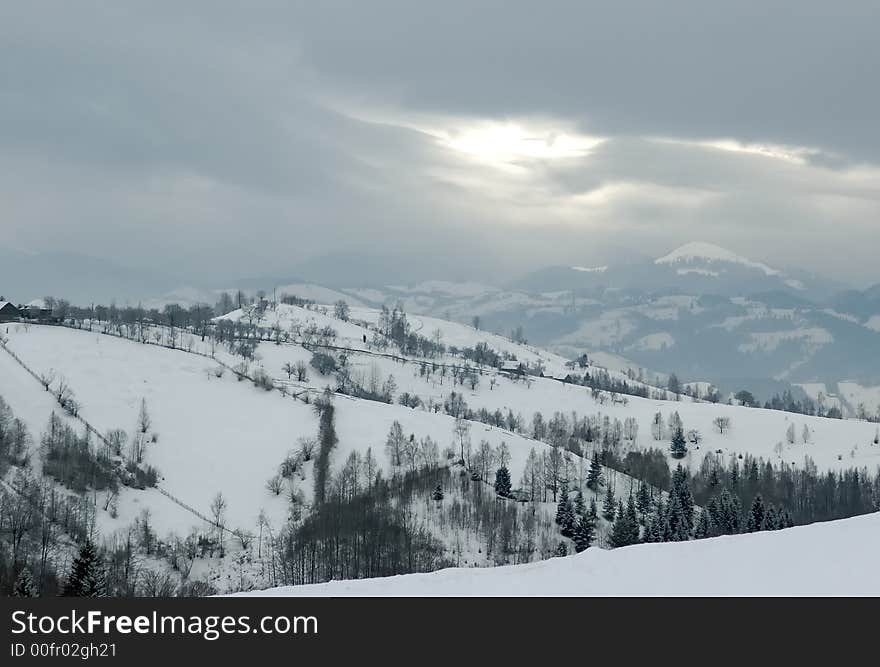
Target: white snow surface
column 837, row 558
column 700, row 272
column 590, row 269
column 701, row 251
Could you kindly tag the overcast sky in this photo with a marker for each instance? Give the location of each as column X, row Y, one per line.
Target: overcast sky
column 481, row 138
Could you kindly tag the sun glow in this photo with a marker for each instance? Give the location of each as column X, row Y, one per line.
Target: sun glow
column 511, row 143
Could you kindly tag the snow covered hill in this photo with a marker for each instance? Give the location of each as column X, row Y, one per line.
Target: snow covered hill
column 832, row 443
column 218, row 430
column 702, row 253
column 214, row 434
column 834, row 558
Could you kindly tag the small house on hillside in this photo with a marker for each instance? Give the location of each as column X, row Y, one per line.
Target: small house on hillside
column 8, row 312
column 513, row 367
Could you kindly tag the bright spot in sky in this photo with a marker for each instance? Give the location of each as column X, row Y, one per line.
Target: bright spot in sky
column 507, row 143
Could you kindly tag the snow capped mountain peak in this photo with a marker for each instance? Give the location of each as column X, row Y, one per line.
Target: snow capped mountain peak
column 699, row 251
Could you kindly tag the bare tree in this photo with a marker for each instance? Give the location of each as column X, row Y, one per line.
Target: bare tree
column 554, row 468
column 307, row 446
column 395, row 444
column 462, row 431
column 275, row 485
column 144, row 422
column 218, row 512
column 341, row 310
column 46, row 379
column 721, row 424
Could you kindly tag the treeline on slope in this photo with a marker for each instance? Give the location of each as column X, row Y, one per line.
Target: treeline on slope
column 746, row 494
column 786, row 402
column 363, row 524
column 356, row 534
column 196, row 316
column 785, row 494
column 602, row 381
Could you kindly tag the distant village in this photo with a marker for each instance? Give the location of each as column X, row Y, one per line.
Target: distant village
column 34, row 311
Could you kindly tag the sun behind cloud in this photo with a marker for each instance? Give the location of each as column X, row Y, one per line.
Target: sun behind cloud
column 511, row 142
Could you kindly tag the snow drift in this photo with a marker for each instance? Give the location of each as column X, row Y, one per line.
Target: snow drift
column 833, row 558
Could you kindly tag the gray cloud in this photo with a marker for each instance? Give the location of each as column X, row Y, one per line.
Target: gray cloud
column 235, row 139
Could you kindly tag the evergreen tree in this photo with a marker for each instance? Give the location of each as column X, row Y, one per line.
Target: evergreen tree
column 681, row 489
column 734, row 474
column 664, row 529
column 562, row 505
column 679, row 445
column 632, row 520
column 24, row 585
column 713, row 478
column 593, row 512
column 679, row 528
column 619, row 531
column 643, row 500
column 756, row 515
column 565, row 515
column 502, row 481
column 625, row 530
column 594, row 477
column 727, row 513
column 583, row 533
column 736, row 514
column 608, row 505
column 650, row 520
column 438, row 493
column 654, row 527
column 580, row 507
column 561, row 549
column 570, row 524
column 771, row 519
column 787, row 520
column 86, row 579
column 702, row 530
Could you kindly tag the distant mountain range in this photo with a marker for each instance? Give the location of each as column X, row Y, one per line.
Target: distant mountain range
column 694, row 268
column 700, row 311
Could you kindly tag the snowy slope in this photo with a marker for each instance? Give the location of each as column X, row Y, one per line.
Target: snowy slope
column 351, row 334
column 833, row 558
column 833, row 444
column 218, row 434
column 698, row 251
column 33, row 405
column 215, row 434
